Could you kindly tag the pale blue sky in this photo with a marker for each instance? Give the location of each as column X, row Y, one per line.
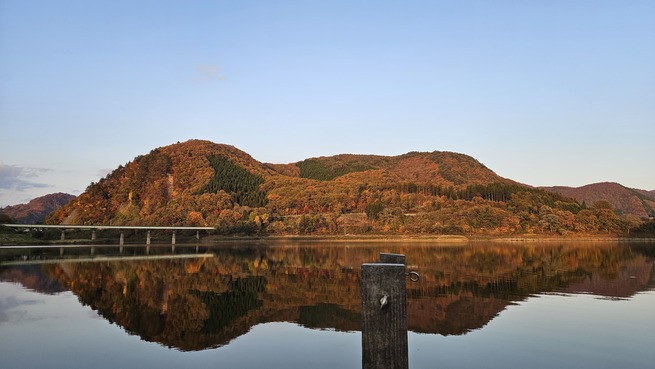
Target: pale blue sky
column 543, row 92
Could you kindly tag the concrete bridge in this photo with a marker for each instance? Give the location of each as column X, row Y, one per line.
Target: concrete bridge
column 64, row 227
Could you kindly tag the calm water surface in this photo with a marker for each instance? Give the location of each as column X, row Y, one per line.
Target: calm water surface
column 297, row 305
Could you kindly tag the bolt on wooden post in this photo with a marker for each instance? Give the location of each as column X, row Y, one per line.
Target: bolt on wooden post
column 384, row 313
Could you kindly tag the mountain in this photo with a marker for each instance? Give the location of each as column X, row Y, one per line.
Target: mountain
column 201, row 183
column 36, row 210
column 31, row 277
column 624, row 200
column 184, row 183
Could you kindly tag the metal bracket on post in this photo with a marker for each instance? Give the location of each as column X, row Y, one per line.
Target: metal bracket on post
column 398, row 259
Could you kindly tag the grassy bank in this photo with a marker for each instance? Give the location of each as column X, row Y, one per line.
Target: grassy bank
column 19, row 239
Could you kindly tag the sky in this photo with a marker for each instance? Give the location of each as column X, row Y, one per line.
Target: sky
column 544, row 92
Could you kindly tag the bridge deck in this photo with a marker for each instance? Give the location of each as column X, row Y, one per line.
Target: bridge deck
column 67, row 227
column 101, row 227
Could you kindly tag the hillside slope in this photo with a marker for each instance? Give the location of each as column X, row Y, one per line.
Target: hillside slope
column 37, row 209
column 200, row 183
column 624, row 200
column 436, row 168
column 184, row 183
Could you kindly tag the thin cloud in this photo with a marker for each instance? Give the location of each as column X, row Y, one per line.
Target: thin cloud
column 208, row 72
column 13, row 177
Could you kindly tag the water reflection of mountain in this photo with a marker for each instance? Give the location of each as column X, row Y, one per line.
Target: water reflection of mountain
column 31, row 277
column 632, row 278
column 193, row 304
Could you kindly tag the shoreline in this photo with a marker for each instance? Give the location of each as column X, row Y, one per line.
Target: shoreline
column 438, row 239
column 459, row 239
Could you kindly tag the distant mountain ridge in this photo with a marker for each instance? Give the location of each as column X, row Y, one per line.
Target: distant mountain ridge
column 37, row 209
column 201, row 183
column 624, row 200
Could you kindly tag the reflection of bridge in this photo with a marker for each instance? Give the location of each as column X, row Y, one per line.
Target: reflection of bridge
column 64, row 227
column 96, row 259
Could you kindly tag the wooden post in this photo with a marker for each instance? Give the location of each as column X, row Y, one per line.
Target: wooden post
column 392, row 258
column 93, row 235
column 148, row 237
column 63, row 235
column 122, row 240
column 173, row 240
column 384, row 316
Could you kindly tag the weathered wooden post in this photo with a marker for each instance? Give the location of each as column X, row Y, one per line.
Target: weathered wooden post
column 392, row 258
column 384, row 313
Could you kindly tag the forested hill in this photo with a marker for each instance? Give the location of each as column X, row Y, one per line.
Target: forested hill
column 36, row 210
column 435, row 168
column 624, row 200
column 207, row 184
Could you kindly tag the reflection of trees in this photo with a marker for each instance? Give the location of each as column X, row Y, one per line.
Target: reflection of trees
column 192, row 304
column 324, row 315
column 225, row 308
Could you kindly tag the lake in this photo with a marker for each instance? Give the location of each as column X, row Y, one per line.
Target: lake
column 297, row 305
